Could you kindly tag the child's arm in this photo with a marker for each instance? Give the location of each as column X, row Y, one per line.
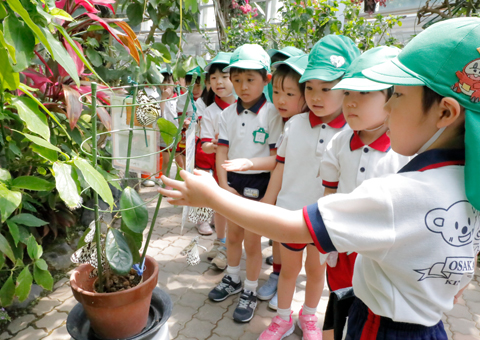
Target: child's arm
column 221, row 156
column 200, row 190
column 244, row 164
column 329, row 191
column 274, row 185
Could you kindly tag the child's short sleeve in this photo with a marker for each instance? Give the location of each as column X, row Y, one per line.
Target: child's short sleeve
column 282, row 144
column 223, row 138
column 207, row 124
column 361, row 221
column 170, row 111
column 275, row 126
column 330, row 166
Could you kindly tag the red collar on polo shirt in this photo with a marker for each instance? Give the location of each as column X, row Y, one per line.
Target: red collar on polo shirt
column 337, row 123
column 255, row 108
column 382, row 143
column 221, row 104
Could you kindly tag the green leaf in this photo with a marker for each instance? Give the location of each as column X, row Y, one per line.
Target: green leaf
column 5, row 175
column 135, row 14
column 35, row 120
column 12, row 146
column 43, row 278
column 118, row 253
column 14, row 231
column 32, row 183
column 3, row 12
column 28, row 220
column 7, row 292
column 10, row 48
column 39, row 141
column 34, row 250
column 135, row 219
column 21, row 37
column 163, row 50
column 9, row 80
column 95, row 180
column 20, row 10
column 61, row 14
column 24, row 284
column 48, row 154
column 134, row 241
column 191, row 4
column 94, row 57
column 168, row 130
column 6, row 248
column 66, row 185
column 61, row 56
column 9, row 201
column 170, row 37
column 41, row 264
column 2, row 260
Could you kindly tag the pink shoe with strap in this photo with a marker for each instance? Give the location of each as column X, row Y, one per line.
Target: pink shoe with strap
column 308, row 325
column 278, row 329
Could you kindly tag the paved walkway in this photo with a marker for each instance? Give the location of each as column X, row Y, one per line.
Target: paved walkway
column 194, row 316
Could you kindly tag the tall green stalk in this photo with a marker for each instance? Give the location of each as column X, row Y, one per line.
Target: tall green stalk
column 130, row 133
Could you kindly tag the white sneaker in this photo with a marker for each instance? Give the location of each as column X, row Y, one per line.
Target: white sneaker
column 273, row 304
column 204, row 228
column 214, row 251
column 220, row 261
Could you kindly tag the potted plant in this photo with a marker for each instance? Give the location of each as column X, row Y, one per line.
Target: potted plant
column 115, row 288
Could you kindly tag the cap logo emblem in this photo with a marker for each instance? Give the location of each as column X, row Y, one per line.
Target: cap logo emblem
column 469, row 81
column 337, row 60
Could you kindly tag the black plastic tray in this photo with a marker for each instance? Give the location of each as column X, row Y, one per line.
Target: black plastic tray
column 79, row 328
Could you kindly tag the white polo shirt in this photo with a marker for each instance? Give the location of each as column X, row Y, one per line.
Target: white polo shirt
column 210, row 119
column 181, row 104
column 301, row 148
column 416, row 234
column 201, row 107
column 347, row 162
column 250, row 133
column 170, row 110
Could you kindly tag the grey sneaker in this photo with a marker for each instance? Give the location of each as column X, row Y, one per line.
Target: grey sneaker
column 214, row 251
column 224, row 289
column 246, row 307
column 268, row 290
column 220, row 261
column 273, row 304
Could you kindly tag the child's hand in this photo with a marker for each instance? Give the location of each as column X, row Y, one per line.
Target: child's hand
column 167, row 92
column 195, row 191
column 459, row 294
column 239, row 164
column 186, row 122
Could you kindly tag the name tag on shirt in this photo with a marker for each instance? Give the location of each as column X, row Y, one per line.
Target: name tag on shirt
column 251, row 192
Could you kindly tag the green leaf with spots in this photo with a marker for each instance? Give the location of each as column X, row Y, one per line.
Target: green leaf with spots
column 118, row 252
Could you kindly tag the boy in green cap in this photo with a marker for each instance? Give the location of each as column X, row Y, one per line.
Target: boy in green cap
column 249, row 128
column 417, row 232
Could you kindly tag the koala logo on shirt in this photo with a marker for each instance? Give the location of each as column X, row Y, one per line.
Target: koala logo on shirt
column 456, row 224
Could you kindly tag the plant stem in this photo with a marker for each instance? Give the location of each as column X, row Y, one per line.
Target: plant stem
column 130, row 134
column 169, row 166
column 95, row 194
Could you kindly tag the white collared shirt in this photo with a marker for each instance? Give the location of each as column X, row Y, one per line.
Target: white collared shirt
column 211, row 118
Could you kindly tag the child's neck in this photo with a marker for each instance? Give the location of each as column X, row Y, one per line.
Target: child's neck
column 251, row 103
column 228, row 99
column 328, row 118
column 371, row 135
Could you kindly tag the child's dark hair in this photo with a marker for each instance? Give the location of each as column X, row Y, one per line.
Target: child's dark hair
column 389, row 93
column 167, row 76
column 284, row 71
column 278, row 57
column 214, row 67
column 429, row 98
column 189, row 77
column 262, row 72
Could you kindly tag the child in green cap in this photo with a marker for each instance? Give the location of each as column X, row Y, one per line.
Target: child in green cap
column 351, row 158
column 417, row 232
column 247, row 129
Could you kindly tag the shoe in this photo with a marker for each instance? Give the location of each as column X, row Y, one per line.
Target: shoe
column 204, row 228
column 278, row 329
column 270, row 243
column 269, row 260
column 214, row 251
column 269, row 288
column 273, row 303
column 224, row 289
column 148, row 183
column 246, row 307
column 220, row 261
column 308, row 325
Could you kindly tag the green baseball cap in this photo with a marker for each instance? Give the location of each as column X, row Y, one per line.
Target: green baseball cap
column 165, row 70
column 329, row 58
column 197, row 70
column 220, row 58
column 288, row 51
column 249, row 57
column 446, row 58
column 354, row 79
column 297, row 63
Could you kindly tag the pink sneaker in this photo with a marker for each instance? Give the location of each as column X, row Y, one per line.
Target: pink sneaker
column 308, row 324
column 278, row 329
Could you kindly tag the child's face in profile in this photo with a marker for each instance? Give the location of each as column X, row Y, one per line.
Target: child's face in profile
column 221, row 83
column 322, row 100
column 287, row 97
column 364, row 110
column 197, row 89
column 248, row 86
column 409, row 127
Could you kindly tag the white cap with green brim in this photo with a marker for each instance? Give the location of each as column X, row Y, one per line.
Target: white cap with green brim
column 445, row 58
column 249, row 57
column 354, row 80
column 220, row 58
column 298, row 63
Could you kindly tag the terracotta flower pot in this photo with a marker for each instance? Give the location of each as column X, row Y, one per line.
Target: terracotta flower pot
column 115, row 315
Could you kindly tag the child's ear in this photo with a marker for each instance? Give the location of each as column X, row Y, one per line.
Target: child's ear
column 450, row 111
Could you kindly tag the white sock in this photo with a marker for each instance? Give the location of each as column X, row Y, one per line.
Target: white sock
column 250, row 285
column 234, row 273
column 308, row 311
column 284, row 313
